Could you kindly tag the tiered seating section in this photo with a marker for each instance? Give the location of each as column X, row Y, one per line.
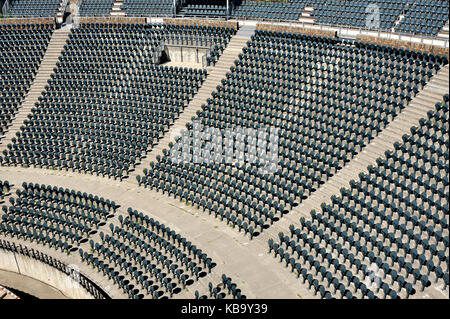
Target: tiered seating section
column 57, row 217
column 357, row 13
column 421, row 16
column 139, row 8
column 22, row 47
column 424, row 17
column 142, row 257
column 215, row 8
column 95, row 7
column 146, row 258
column 35, row 8
column 269, row 10
column 387, row 235
column 106, row 104
column 328, row 98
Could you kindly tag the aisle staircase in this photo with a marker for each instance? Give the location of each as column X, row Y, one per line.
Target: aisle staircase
column 423, row 102
column 48, row 63
column 116, row 10
column 215, row 75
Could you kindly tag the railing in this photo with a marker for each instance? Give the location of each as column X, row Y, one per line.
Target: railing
column 87, row 284
column 347, row 31
column 5, row 8
column 386, row 33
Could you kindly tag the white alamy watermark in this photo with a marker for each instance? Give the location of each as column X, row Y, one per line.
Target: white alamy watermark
column 73, row 277
column 373, row 17
column 75, row 14
column 237, row 146
column 373, row 277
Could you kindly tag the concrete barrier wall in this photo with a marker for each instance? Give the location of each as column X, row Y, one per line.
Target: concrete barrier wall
column 205, row 22
column 295, row 29
column 35, row 269
column 7, row 261
column 185, row 54
column 27, row 20
column 403, row 44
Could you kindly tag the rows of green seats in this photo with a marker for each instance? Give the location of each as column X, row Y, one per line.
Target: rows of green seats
column 420, row 17
column 374, row 14
column 22, row 48
column 146, row 258
column 140, row 255
column 386, row 236
column 95, row 7
column 224, row 289
column 199, row 8
column 54, row 216
column 106, row 103
column 425, row 17
column 328, row 98
column 33, row 8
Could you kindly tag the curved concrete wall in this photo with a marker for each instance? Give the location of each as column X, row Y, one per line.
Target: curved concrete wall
column 35, row 269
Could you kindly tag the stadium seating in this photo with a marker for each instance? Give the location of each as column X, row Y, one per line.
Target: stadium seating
column 57, row 217
column 95, row 7
column 142, row 256
column 22, row 48
column 328, row 98
column 421, row 16
column 217, row 8
column 269, row 10
column 387, row 235
column 106, row 103
column 356, row 13
column 35, row 8
column 138, row 8
column 154, row 258
column 424, row 17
